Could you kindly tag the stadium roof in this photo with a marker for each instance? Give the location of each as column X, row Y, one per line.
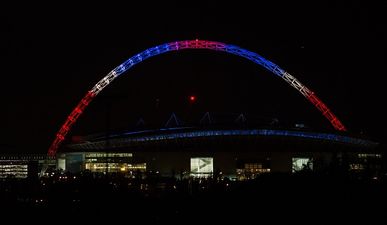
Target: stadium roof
column 168, row 138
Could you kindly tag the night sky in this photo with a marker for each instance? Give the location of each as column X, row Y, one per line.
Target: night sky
column 51, row 55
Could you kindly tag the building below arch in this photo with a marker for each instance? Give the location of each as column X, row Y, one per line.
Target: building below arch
column 238, row 154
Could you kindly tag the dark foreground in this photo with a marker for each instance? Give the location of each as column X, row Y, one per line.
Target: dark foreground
column 269, row 199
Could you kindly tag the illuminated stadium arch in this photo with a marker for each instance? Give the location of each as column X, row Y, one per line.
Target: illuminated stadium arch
column 190, row 44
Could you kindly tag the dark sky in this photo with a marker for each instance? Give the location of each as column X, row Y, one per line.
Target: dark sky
column 51, row 55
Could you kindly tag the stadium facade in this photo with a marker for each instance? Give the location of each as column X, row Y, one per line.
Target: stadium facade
column 240, row 154
column 235, row 151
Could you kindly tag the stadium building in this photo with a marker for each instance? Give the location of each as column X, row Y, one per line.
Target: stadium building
column 237, row 151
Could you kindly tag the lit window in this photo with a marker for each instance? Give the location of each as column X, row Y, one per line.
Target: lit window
column 299, row 164
column 202, row 167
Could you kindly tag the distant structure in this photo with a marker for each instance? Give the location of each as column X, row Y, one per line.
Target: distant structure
column 24, row 165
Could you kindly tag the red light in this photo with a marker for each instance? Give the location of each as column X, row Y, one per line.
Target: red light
column 192, row 98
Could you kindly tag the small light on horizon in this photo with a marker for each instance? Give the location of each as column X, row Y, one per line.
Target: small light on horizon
column 192, row 98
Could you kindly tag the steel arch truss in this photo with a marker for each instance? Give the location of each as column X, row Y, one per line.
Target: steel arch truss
column 190, row 44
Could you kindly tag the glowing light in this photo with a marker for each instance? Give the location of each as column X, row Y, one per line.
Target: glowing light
column 190, row 44
column 181, row 134
column 192, row 98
